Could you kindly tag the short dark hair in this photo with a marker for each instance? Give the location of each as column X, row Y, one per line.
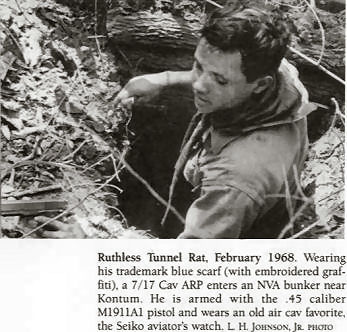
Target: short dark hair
column 261, row 36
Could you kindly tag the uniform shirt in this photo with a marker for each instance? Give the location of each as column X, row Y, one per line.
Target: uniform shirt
column 246, row 181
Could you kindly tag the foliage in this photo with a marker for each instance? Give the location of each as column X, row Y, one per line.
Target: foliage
column 55, row 99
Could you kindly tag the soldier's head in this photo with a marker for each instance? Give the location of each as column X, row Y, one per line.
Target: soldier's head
column 239, row 52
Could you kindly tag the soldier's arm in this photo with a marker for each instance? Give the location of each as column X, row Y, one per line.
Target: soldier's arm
column 149, row 85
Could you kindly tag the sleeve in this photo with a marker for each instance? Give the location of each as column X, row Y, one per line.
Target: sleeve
column 220, row 212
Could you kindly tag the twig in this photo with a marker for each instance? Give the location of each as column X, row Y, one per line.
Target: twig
column 34, row 151
column 292, row 220
column 98, row 36
column 72, row 86
column 151, row 190
column 332, row 126
column 79, row 75
column 124, row 219
column 338, row 110
column 115, row 187
column 331, row 194
column 332, row 75
column 57, row 154
column 120, row 156
column 333, row 122
column 333, row 150
column 29, row 131
column 97, row 163
column 305, row 230
column 126, row 58
column 19, row 7
column 28, row 163
column 13, row 38
column 25, row 161
column 66, row 176
column 95, row 28
column 298, row 184
column 286, row 4
column 22, row 11
column 76, row 150
column 33, row 191
column 11, row 179
column 312, row 8
column 214, row 3
column 289, row 203
column 70, row 209
column 80, row 185
column 299, row 212
column 115, row 167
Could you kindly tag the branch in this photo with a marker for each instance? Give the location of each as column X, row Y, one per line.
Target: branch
column 312, row 6
column 23, row 12
column 29, row 131
column 302, row 208
column 75, row 151
column 315, row 63
column 293, row 218
column 305, row 230
column 120, row 156
column 338, row 110
column 71, row 208
column 72, row 86
column 96, row 28
column 152, row 191
column 28, row 163
column 13, row 38
column 333, row 123
column 33, row 191
column 96, row 163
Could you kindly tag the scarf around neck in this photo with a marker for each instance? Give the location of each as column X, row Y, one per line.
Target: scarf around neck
column 285, row 101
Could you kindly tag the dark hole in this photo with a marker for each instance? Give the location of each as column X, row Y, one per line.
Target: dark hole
column 158, row 134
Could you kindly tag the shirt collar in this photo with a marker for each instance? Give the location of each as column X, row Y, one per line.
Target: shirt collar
column 216, row 140
column 291, row 104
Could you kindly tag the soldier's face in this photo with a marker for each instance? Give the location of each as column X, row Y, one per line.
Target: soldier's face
column 218, row 82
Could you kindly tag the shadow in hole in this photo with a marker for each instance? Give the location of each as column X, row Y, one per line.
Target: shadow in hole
column 155, row 148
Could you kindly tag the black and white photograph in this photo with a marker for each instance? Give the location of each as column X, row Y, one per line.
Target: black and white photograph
column 172, row 165
column 172, row 119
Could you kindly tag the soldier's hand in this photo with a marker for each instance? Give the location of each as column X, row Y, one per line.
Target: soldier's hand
column 59, row 230
column 143, row 88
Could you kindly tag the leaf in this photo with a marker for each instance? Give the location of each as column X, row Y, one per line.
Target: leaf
column 14, row 121
column 30, row 130
column 75, row 107
column 6, row 132
column 30, row 42
column 339, row 214
column 20, row 21
column 11, row 105
column 6, row 188
column 45, row 144
column 6, row 61
column 70, row 144
column 13, row 158
column 5, row 13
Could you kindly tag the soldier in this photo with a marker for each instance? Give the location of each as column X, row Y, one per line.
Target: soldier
column 247, row 142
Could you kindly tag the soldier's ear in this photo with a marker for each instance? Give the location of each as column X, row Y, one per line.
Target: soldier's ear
column 262, row 83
